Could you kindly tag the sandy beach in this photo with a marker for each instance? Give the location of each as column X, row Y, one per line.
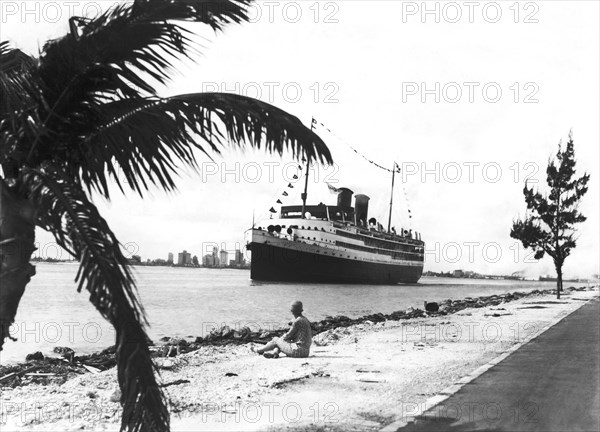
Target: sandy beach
column 394, row 365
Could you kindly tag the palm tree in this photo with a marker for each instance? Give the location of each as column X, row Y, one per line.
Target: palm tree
column 85, row 110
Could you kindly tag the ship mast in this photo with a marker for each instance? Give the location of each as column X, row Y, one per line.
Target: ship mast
column 391, row 197
column 305, row 193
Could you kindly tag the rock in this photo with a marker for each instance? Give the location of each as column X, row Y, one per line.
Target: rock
column 65, row 352
column 177, row 342
column 108, row 351
column 199, row 340
column 243, row 334
column 115, row 395
column 165, row 364
column 246, row 332
column 397, row 315
column 432, row 307
column 34, row 356
column 91, row 395
column 226, row 332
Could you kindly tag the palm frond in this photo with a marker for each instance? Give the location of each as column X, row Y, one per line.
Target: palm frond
column 20, row 98
column 116, row 56
column 78, row 227
column 145, row 138
column 15, row 80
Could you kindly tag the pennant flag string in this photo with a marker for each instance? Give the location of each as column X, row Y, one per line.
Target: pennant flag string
column 332, row 189
column 278, row 194
column 372, row 162
column 396, row 167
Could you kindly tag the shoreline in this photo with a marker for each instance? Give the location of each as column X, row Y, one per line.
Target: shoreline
column 64, row 364
column 396, row 365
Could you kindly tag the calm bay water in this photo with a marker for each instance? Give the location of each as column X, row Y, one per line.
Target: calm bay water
column 191, row 302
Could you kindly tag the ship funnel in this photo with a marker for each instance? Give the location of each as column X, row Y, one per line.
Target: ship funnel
column 361, row 209
column 344, row 197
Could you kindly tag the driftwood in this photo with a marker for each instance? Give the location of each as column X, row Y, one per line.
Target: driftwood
column 177, row 382
column 16, row 374
column 369, row 380
column 91, row 369
column 40, row 374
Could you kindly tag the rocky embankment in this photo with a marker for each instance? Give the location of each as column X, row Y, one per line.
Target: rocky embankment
column 40, row 369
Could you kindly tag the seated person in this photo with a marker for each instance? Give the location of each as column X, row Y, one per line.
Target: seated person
column 296, row 342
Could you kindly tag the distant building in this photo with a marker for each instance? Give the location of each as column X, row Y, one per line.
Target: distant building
column 223, row 258
column 135, row 259
column 212, row 259
column 215, row 256
column 458, row 273
column 184, row 258
column 239, row 259
column 208, row 261
column 170, row 258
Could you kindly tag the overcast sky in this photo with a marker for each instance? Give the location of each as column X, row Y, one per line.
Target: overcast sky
column 469, row 98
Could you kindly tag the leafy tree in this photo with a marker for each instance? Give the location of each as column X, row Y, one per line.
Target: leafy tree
column 86, row 111
column 195, row 261
column 549, row 227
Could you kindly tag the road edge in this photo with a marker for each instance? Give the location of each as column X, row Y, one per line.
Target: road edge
column 452, row 389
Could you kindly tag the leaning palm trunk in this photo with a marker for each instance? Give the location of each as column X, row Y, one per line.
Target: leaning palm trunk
column 17, row 236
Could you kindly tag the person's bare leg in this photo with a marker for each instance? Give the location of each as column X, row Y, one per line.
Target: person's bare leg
column 268, row 347
column 274, row 354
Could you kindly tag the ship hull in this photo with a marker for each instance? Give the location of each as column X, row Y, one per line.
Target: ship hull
column 273, row 263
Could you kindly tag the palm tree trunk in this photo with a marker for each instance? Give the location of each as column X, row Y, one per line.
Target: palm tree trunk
column 17, row 237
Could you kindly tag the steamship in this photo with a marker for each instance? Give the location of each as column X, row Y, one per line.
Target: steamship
column 334, row 244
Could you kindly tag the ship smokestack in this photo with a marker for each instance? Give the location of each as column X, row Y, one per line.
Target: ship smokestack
column 361, row 209
column 344, row 197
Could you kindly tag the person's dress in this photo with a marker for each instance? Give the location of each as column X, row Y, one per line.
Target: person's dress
column 296, row 342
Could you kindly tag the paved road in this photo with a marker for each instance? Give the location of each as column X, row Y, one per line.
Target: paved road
column 550, row 384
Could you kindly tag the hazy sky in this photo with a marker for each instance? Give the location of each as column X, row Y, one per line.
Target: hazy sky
column 469, row 98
